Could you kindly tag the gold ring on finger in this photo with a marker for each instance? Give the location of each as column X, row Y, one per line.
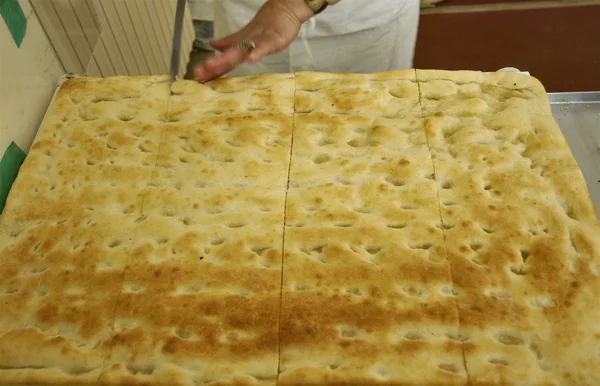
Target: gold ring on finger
column 247, row 45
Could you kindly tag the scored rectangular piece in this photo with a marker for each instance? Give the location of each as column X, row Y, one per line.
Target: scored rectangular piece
column 521, row 232
column 367, row 295
column 69, row 224
column 201, row 294
column 96, row 149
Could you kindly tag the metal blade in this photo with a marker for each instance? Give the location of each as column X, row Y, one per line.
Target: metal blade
column 177, row 32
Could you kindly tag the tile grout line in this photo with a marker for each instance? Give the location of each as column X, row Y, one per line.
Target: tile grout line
column 462, row 346
column 283, row 236
column 135, row 236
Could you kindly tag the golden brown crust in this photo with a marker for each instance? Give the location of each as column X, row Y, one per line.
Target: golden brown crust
column 437, row 231
column 114, row 243
column 100, row 135
column 367, row 295
column 201, row 291
column 521, row 231
column 68, row 226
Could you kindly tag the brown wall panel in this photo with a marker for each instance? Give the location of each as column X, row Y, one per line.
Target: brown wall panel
column 560, row 46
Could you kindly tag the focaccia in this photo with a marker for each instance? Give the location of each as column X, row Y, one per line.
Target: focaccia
column 69, row 224
column 401, row 228
column 367, row 294
column 205, row 272
column 522, row 236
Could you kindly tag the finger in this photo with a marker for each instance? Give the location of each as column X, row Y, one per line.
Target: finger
column 228, row 41
column 220, row 45
column 201, row 75
column 265, row 45
column 258, row 53
column 219, row 65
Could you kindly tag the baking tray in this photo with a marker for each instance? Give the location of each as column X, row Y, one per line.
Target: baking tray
column 578, row 115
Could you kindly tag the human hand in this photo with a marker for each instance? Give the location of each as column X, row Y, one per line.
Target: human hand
column 273, row 29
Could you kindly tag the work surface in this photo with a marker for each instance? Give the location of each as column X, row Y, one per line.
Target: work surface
column 578, row 115
column 404, row 228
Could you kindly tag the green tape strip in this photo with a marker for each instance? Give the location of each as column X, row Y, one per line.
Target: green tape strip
column 15, row 19
column 9, row 168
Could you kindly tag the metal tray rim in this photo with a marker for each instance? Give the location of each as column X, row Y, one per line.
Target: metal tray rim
column 574, row 97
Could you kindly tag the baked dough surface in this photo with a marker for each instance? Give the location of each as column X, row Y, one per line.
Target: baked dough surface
column 367, row 293
column 522, row 236
column 402, row 228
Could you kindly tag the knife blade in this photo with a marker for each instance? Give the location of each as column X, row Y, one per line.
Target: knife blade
column 177, row 32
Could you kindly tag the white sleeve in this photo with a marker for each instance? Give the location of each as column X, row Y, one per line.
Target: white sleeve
column 201, row 9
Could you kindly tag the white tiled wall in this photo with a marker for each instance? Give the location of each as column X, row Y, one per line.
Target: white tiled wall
column 108, row 37
column 28, row 78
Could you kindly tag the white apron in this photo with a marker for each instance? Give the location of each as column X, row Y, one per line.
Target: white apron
column 347, row 37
